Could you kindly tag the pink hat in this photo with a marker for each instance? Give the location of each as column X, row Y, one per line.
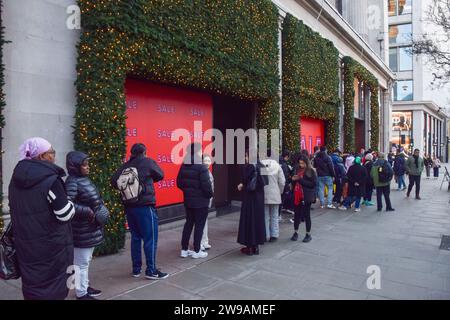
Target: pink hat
column 33, row 147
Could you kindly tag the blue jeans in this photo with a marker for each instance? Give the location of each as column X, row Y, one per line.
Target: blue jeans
column 401, row 181
column 350, row 199
column 143, row 224
column 325, row 181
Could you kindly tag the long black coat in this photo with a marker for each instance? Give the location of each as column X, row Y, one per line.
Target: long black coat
column 252, row 230
column 44, row 245
column 356, row 173
column 86, row 198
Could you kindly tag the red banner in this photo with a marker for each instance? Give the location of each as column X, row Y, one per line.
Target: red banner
column 154, row 111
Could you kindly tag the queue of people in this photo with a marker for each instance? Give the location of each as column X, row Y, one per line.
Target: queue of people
column 63, row 221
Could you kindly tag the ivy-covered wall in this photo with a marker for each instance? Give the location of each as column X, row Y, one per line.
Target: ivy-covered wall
column 310, row 82
column 352, row 70
column 227, row 47
column 2, row 106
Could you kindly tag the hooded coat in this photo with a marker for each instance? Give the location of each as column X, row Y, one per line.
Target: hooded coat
column 356, row 174
column 87, row 233
column 43, row 244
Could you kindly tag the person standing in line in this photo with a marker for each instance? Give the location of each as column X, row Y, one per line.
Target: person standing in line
column 339, row 170
column 134, row 179
column 286, row 198
column 272, row 196
column 252, row 229
column 436, row 166
column 369, row 182
column 326, row 174
column 304, row 185
column 382, row 175
column 349, row 161
column 414, row 168
column 207, row 161
column 428, row 163
column 399, row 170
column 90, row 217
column 357, row 177
column 40, row 217
column 195, row 182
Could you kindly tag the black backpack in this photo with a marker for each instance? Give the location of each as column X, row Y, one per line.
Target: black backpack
column 385, row 172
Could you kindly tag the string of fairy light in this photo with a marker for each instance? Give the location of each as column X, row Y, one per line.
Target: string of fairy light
column 227, row 47
column 352, row 70
column 310, row 82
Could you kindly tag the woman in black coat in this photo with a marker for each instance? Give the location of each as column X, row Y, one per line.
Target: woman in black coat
column 252, row 230
column 304, row 185
column 357, row 177
column 90, row 217
column 193, row 179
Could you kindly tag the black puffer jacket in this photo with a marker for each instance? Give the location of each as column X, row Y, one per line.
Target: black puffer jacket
column 87, row 233
column 193, row 180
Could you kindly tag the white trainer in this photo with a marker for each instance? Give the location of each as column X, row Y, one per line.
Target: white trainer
column 199, row 255
column 186, row 253
column 330, row 206
column 206, row 246
column 357, row 210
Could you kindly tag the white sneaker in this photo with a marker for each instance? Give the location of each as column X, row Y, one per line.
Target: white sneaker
column 199, row 255
column 330, row 206
column 357, row 210
column 186, row 253
column 206, row 246
column 291, row 220
column 321, row 207
column 290, row 211
column 342, row 208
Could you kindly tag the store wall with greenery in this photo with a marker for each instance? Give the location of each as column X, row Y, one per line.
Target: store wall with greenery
column 352, row 70
column 2, row 107
column 310, row 82
column 227, row 47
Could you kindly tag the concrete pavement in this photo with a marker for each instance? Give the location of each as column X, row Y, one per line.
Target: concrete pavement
column 404, row 245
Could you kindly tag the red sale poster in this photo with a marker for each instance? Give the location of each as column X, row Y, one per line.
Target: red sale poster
column 153, row 112
column 312, row 133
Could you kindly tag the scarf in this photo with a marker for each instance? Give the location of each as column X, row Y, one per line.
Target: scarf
column 416, row 161
column 298, row 190
column 33, row 147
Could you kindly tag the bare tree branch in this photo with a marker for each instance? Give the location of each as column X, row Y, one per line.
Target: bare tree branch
column 436, row 46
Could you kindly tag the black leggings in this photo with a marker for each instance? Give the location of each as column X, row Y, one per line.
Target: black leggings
column 303, row 210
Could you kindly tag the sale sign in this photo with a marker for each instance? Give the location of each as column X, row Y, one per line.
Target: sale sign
column 154, row 112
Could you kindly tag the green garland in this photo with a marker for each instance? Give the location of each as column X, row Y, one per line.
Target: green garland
column 310, row 82
column 2, row 104
column 226, row 47
column 352, row 70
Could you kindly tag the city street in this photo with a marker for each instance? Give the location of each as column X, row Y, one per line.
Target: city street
column 404, row 245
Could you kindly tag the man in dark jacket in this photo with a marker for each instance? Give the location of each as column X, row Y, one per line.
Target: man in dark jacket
column 325, row 173
column 339, row 171
column 400, row 170
column 40, row 215
column 141, row 214
column 368, row 164
column 193, row 179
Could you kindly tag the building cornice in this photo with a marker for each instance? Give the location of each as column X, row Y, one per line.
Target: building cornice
column 330, row 17
column 428, row 106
